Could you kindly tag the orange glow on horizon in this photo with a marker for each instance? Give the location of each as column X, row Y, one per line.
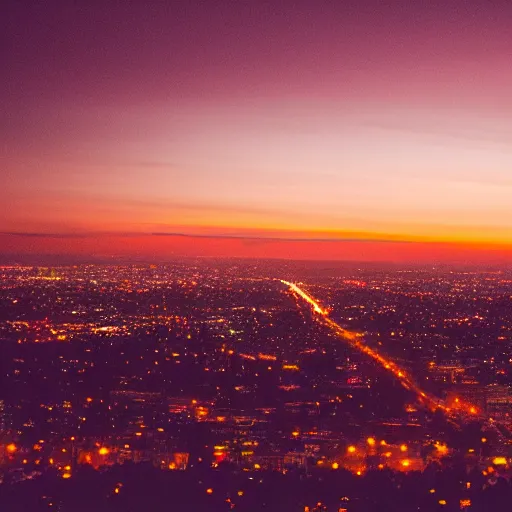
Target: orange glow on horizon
column 158, row 248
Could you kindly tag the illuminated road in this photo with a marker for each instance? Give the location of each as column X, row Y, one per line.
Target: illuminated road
column 354, row 339
column 306, row 297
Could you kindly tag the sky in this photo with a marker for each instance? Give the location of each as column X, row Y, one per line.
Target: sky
column 310, row 129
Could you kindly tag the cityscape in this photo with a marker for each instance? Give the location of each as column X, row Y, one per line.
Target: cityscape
column 223, row 379
column 256, row 256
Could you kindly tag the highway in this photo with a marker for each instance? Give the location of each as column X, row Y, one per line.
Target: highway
column 355, row 340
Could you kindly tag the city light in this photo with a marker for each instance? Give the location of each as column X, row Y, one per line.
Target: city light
column 353, row 339
column 332, row 398
column 306, row 297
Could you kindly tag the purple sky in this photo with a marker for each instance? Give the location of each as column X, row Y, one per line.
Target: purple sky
column 384, row 119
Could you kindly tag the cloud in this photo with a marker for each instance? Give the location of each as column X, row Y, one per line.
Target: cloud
column 219, row 236
column 281, row 238
column 45, row 235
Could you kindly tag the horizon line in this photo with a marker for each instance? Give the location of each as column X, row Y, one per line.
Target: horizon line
column 404, row 240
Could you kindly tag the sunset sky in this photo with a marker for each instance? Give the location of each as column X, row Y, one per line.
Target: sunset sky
column 384, row 125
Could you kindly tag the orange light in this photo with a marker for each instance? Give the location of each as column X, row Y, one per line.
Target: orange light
column 472, row 410
column 371, row 441
column 209, row 491
column 351, row 449
column 116, row 490
column 67, row 468
column 88, row 399
column 381, row 466
column 293, row 367
column 11, row 448
column 103, row 450
column 383, row 443
column 257, row 466
column 464, row 504
column 240, row 493
column 359, row 473
column 484, row 440
column 66, row 475
column 441, row 447
column 405, row 463
column 403, row 447
column 335, row 465
column 295, row 434
column 432, row 491
column 442, row 502
column 499, row 461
